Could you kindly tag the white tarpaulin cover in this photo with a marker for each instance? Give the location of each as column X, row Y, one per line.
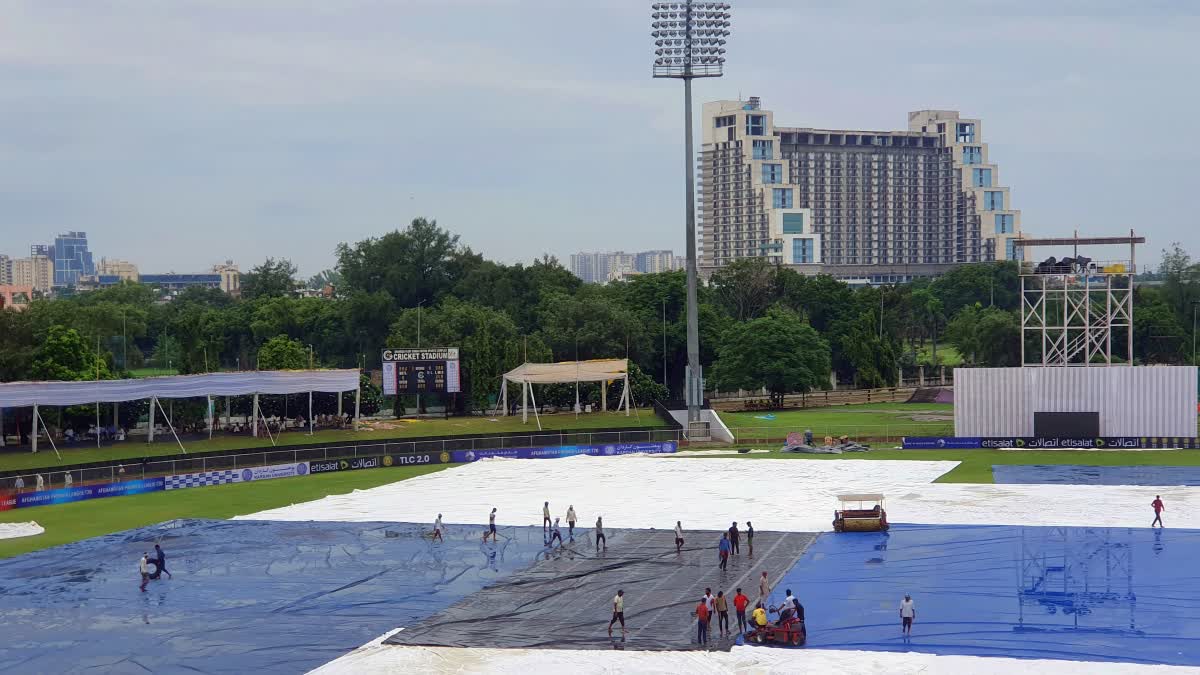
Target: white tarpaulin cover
column 14, row 530
column 600, row 370
column 24, row 394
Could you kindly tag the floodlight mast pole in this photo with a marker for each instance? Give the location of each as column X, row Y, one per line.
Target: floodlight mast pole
column 690, row 37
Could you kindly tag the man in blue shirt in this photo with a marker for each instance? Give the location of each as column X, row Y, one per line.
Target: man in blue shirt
column 723, row 548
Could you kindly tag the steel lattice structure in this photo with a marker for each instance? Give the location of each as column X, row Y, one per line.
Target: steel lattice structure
column 1077, row 315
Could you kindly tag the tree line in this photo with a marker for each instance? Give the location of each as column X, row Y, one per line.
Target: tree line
column 761, row 325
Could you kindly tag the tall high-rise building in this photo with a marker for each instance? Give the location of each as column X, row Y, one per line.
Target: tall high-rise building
column 880, row 206
column 5, row 270
column 36, row 271
column 231, row 278
column 599, row 268
column 652, row 262
column 123, row 270
column 72, row 259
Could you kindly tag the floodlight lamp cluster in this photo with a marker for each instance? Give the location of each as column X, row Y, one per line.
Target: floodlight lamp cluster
column 689, row 38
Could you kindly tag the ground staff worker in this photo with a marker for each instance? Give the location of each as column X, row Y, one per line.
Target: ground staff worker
column 618, row 611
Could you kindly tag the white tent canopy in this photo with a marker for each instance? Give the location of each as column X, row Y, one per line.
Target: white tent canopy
column 25, row 394
column 88, row 392
column 570, row 371
column 600, row 370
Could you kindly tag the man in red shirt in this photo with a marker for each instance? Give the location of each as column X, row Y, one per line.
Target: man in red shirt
column 1158, row 509
column 702, row 621
column 740, row 602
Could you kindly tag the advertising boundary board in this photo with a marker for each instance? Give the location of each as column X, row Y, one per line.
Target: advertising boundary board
column 1052, row 443
column 82, row 493
column 378, row 462
column 182, row 481
column 608, row 450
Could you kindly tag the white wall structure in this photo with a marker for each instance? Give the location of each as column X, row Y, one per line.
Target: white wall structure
column 1137, row 401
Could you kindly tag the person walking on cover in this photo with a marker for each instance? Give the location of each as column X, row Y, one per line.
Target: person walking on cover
column 678, row 536
column 491, row 531
column 555, row 533
column 161, row 560
column 618, row 610
column 907, row 614
column 723, row 551
column 740, row 602
column 750, row 538
column 571, row 521
column 546, row 516
column 710, row 604
column 733, row 539
column 763, row 587
column 701, row 613
column 144, row 568
column 1158, row 509
column 600, row 533
column 721, row 604
column 437, row 529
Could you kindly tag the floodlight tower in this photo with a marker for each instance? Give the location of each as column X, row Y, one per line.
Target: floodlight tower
column 689, row 39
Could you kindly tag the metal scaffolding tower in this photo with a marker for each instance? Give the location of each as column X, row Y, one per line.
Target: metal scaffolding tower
column 1071, row 309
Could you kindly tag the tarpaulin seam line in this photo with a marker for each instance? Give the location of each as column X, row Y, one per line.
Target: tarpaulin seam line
column 749, row 571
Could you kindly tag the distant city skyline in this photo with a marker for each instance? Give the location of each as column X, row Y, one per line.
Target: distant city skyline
column 305, row 126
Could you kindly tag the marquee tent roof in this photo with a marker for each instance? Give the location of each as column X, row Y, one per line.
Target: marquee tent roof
column 24, row 394
column 600, row 370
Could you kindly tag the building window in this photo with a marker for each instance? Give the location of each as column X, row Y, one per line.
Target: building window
column 972, row 154
column 782, row 198
column 1010, row 249
column 764, row 149
column 993, row 201
column 756, row 125
column 966, row 132
column 1004, row 223
column 802, row 250
column 793, row 223
column 772, row 173
column 981, row 177
column 725, row 121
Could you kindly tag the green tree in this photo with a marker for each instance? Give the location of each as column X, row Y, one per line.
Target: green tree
column 282, row 353
column 324, row 278
column 273, row 278
column 745, row 288
column 417, row 265
column 64, row 355
column 591, row 325
column 778, row 351
column 983, row 284
column 1158, row 335
column 986, row 336
column 930, row 316
column 860, row 352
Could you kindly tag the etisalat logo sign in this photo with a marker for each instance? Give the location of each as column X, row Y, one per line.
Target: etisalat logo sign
column 1053, row 443
column 375, row 462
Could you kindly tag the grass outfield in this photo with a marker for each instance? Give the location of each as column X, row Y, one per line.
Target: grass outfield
column 66, row 523
column 79, row 453
column 869, row 420
column 976, row 465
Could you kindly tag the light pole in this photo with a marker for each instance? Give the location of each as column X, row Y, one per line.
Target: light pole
column 419, row 303
column 1195, row 305
column 690, row 42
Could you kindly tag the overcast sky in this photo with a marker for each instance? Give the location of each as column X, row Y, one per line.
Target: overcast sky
column 182, row 133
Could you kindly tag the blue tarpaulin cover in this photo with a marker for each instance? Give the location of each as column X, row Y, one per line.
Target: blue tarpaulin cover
column 1071, row 474
column 1086, row 594
column 247, row 596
